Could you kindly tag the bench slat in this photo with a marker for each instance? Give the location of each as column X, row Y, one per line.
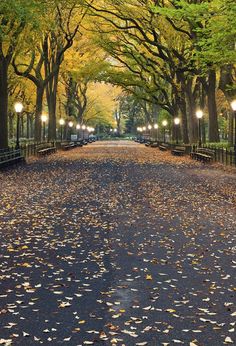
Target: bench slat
column 203, row 154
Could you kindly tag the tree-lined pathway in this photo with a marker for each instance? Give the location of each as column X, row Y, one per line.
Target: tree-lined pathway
column 117, row 244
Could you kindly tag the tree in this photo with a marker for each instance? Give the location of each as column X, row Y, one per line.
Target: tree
column 14, row 17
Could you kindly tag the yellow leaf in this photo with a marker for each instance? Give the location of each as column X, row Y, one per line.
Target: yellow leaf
column 82, row 322
column 148, row 277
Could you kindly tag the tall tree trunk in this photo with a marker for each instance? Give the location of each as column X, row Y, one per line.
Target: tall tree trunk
column 3, row 103
column 212, row 108
column 193, row 125
column 38, row 112
column 183, row 109
column 52, row 103
column 227, row 85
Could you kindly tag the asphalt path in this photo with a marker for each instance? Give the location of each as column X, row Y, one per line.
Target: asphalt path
column 117, row 244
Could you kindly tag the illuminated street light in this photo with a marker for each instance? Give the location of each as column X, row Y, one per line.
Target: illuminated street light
column 150, row 131
column 199, row 115
column 61, row 123
column 156, row 128
column 18, row 108
column 233, row 106
column 164, row 124
column 177, row 123
column 44, row 119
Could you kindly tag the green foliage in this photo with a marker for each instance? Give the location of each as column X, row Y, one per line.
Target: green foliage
column 164, row 115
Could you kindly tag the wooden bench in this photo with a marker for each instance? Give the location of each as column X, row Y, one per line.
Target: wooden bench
column 163, row 146
column 46, row 151
column 147, row 144
column 154, row 145
column 11, row 157
column 79, row 144
column 203, row 155
column 69, row 146
column 178, row 151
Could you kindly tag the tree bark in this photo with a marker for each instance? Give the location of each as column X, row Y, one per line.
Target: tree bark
column 183, row 109
column 52, row 103
column 38, row 112
column 193, row 125
column 226, row 84
column 212, row 108
column 3, row 103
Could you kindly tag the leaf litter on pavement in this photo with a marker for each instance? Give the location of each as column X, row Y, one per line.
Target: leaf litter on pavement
column 117, row 244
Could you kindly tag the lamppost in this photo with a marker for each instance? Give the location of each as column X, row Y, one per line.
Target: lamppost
column 164, row 124
column 83, row 128
column 199, row 115
column 70, row 124
column 78, row 127
column 44, row 118
column 18, row 108
column 62, row 123
column 233, row 105
column 177, row 122
column 150, row 131
column 156, row 128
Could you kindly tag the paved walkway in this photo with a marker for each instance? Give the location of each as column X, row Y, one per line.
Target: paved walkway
column 117, row 244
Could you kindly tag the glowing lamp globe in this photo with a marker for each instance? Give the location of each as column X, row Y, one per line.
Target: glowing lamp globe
column 233, row 105
column 44, row 118
column 62, row 122
column 18, row 107
column 177, row 121
column 199, row 114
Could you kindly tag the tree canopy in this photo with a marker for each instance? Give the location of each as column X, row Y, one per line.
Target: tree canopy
column 82, row 59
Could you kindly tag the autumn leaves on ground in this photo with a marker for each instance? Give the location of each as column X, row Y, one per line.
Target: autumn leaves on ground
column 117, row 244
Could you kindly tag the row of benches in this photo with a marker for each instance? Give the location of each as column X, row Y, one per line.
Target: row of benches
column 10, row 156
column 64, row 146
column 199, row 154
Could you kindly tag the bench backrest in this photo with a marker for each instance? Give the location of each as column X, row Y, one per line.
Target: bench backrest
column 44, row 146
column 180, row 148
column 206, row 151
